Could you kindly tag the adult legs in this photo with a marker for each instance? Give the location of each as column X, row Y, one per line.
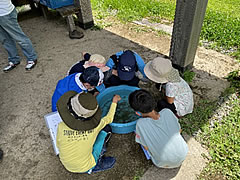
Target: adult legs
column 10, row 46
column 10, row 25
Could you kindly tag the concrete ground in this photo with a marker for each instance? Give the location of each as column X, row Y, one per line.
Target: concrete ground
column 26, row 98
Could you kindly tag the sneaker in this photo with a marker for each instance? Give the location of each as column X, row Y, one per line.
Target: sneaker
column 104, row 163
column 30, row 65
column 10, row 66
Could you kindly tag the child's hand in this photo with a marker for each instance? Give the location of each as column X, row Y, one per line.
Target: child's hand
column 95, row 94
column 116, row 98
column 114, row 72
column 83, row 53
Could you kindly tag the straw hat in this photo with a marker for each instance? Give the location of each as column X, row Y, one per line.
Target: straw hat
column 79, row 111
column 98, row 61
column 160, row 70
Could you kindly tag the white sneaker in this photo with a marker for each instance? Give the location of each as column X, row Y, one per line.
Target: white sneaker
column 10, row 66
column 30, row 65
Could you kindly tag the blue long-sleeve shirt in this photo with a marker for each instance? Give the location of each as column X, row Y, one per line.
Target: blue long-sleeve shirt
column 64, row 85
column 70, row 83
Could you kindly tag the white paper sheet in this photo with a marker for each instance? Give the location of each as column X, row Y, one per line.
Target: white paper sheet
column 52, row 121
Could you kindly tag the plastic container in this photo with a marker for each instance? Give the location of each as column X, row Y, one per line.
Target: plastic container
column 103, row 97
column 54, row 4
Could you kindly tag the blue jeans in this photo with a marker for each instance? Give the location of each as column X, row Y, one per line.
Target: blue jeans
column 10, row 33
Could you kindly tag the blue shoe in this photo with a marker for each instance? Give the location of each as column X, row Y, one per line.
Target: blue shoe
column 104, row 163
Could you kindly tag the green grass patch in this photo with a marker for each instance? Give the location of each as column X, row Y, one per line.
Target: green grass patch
column 221, row 26
column 199, row 118
column 234, row 78
column 128, row 10
column 223, row 142
column 220, row 135
column 188, row 76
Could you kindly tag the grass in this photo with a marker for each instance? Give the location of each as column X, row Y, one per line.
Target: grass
column 199, row 118
column 188, row 76
column 220, row 136
column 223, row 142
column 128, row 10
column 221, row 26
column 220, row 30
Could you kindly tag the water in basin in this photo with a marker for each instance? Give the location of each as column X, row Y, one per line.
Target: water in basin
column 124, row 113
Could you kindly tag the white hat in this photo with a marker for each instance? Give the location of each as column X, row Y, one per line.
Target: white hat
column 160, row 70
column 98, row 61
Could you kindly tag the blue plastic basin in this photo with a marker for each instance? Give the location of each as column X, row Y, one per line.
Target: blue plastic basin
column 106, row 95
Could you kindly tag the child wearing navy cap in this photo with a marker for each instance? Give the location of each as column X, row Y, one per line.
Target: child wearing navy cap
column 124, row 67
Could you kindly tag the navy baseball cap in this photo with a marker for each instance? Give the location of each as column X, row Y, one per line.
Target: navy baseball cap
column 127, row 66
column 93, row 75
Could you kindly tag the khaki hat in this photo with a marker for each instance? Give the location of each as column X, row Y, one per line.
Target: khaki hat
column 98, row 61
column 160, row 70
column 79, row 111
column 97, row 58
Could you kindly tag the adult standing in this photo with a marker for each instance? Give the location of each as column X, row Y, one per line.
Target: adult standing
column 10, row 33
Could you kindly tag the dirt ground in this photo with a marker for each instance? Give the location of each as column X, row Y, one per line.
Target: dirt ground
column 26, row 96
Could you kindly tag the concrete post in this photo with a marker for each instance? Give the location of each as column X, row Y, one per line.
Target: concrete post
column 187, row 26
column 85, row 17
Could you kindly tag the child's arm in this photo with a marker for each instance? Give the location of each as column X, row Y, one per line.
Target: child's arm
column 170, row 100
column 145, row 147
column 110, row 115
column 180, row 131
column 116, row 98
column 86, row 56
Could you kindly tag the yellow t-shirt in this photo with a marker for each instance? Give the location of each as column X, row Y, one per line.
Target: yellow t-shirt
column 75, row 147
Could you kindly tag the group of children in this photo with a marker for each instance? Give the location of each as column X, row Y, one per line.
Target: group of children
column 83, row 135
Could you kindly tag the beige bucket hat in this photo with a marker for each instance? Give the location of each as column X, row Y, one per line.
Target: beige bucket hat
column 160, row 70
column 79, row 111
column 98, row 61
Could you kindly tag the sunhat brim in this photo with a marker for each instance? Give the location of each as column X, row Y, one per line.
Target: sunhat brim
column 149, row 72
column 70, row 120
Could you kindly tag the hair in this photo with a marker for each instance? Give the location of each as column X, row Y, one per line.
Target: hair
column 90, row 75
column 142, row 101
column 81, row 79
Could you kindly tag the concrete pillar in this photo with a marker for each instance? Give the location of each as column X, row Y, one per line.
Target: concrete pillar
column 187, row 26
column 85, row 17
